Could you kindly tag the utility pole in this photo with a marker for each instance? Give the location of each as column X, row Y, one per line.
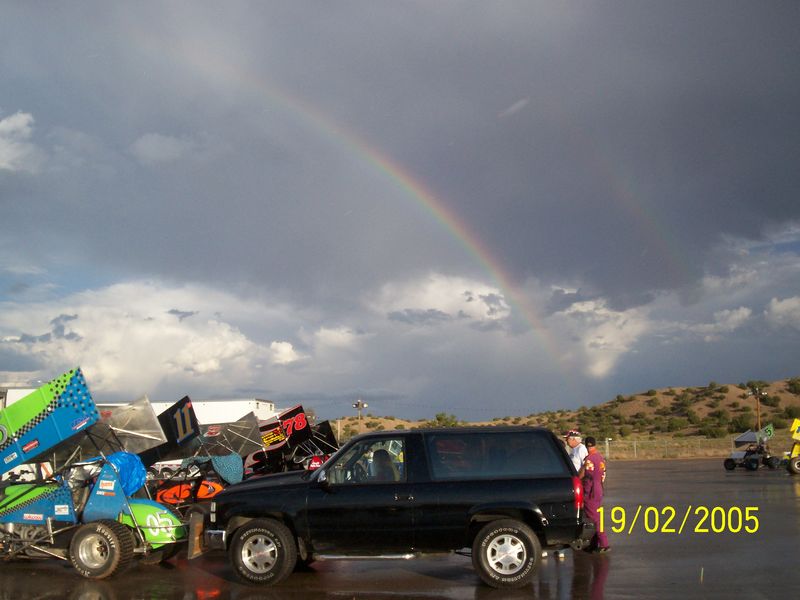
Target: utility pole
column 359, row 406
column 757, row 393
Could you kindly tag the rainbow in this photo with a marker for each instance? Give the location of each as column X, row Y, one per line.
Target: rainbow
column 212, row 66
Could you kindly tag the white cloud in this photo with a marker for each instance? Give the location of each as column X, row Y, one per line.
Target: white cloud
column 514, row 108
column 784, row 313
column 127, row 340
column 602, row 335
column 340, row 337
column 155, row 148
column 452, row 297
column 725, row 321
column 283, row 353
column 17, row 152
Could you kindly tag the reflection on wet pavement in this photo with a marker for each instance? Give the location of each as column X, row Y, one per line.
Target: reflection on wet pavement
column 641, row 565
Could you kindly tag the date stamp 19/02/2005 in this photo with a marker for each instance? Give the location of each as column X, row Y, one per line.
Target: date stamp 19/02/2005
column 668, row 520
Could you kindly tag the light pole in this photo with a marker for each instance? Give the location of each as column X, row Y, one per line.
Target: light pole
column 359, row 406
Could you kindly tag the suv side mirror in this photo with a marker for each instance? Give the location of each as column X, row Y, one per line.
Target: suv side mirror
column 322, row 480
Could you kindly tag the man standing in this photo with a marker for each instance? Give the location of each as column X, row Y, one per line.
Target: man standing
column 593, row 474
column 577, row 451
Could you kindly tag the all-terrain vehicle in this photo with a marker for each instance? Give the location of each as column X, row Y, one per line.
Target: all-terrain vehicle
column 754, row 451
column 80, row 505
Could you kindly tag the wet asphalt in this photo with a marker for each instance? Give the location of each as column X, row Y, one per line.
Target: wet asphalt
column 648, row 559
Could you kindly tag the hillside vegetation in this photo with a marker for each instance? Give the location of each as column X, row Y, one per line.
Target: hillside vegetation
column 711, row 411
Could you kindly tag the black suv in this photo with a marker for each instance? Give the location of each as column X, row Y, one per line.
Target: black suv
column 501, row 492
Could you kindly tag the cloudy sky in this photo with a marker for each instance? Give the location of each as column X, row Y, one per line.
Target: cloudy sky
column 482, row 208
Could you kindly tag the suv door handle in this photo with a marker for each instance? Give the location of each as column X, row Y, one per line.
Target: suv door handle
column 404, row 497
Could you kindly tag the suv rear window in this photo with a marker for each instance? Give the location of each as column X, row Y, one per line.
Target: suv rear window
column 478, row 455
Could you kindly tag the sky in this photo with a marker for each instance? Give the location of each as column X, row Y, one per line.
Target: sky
column 479, row 208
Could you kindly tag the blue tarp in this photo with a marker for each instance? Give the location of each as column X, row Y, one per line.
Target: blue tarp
column 130, row 470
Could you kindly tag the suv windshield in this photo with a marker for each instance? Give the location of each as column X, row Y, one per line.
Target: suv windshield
column 370, row 461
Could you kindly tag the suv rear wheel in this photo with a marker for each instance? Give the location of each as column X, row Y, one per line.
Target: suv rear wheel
column 263, row 551
column 506, row 554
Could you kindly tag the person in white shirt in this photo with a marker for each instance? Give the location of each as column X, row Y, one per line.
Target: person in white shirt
column 577, row 451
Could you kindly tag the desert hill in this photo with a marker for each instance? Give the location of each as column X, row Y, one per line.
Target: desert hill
column 711, row 411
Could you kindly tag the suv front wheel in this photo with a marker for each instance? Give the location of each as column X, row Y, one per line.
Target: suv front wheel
column 506, row 554
column 263, row 551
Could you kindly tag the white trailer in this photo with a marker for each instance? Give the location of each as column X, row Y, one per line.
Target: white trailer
column 9, row 395
column 207, row 411
column 219, row 411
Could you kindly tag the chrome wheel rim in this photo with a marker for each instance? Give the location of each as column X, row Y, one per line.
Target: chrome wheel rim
column 259, row 554
column 506, row 554
column 94, row 551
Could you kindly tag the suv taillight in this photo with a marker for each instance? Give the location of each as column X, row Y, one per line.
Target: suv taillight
column 577, row 490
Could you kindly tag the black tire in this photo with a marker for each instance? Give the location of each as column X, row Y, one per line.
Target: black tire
column 794, row 465
column 263, row 551
column 772, row 462
column 751, row 464
column 730, row 464
column 506, row 554
column 102, row 548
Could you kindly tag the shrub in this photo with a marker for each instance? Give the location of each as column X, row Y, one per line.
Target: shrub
column 676, row 424
column 713, row 432
column 651, row 392
column 771, row 400
column 779, row 423
column 791, row 412
column 793, row 386
column 741, row 423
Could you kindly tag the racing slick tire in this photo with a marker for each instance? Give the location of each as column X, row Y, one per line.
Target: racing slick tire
column 794, row 465
column 263, row 551
column 729, row 464
column 506, row 554
column 751, row 464
column 101, row 548
column 772, row 462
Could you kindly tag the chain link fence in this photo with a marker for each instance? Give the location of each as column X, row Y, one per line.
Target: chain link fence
column 673, row 448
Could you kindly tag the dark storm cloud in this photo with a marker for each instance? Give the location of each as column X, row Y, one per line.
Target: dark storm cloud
column 57, row 332
column 413, row 316
column 59, row 327
column 297, row 154
column 15, row 362
column 609, row 144
column 181, row 314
